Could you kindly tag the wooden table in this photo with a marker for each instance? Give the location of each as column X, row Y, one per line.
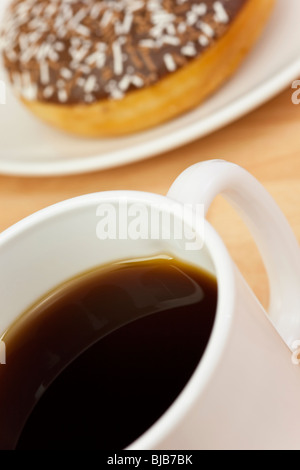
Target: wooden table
column 266, row 143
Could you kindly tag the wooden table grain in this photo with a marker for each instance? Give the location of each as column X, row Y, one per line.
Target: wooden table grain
column 265, row 142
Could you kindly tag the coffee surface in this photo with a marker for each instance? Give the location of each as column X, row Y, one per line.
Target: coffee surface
column 97, row 361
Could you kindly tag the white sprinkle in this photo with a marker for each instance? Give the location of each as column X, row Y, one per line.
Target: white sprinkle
column 169, row 62
column 89, row 98
column 98, row 58
column 43, row 51
column 200, row 9
column 44, row 73
column 90, row 84
column 66, row 73
column 61, row 32
column 191, row 18
column 112, row 88
column 106, row 18
column 80, row 15
column 83, row 30
column 206, row 29
column 117, row 94
column 49, row 10
column 95, row 11
column 162, row 16
column 135, row 5
column 67, row 11
column 37, row 23
column 181, row 28
column 124, row 28
column 221, row 15
column 203, row 40
column 172, row 40
column 34, row 37
column 148, row 43
column 76, row 42
column 59, row 46
column 62, row 95
column 170, row 28
column 84, row 69
column 117, row 53
column 48, row 92
column 125, row 83
column 29, row 92
column 53, row 55
column 189, row 50
column 137, row 81
column 78, row 54
column 127, row 80
column 28, row 54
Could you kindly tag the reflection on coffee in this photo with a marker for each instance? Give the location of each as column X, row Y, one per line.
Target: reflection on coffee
column 98, row 360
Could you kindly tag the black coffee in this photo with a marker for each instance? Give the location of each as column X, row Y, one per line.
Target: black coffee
column 97, row 361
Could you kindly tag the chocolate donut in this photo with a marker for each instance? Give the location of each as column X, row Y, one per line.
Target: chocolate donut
column 111, row 67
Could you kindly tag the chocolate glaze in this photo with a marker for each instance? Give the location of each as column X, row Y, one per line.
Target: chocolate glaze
column 72, row 52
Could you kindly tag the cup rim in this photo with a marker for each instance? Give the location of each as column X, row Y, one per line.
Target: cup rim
column 224, row 268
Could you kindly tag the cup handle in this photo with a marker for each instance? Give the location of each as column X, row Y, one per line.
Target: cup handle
column 279, row 249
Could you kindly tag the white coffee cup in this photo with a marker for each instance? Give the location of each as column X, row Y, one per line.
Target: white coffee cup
column 244, row 392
